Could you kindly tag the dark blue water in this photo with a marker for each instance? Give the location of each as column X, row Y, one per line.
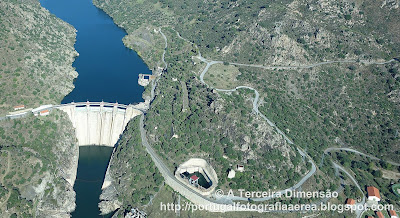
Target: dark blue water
column 107, row 69
column 93, row 162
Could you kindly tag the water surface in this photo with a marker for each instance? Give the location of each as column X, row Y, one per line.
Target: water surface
column 107, row 69
column 92, row 166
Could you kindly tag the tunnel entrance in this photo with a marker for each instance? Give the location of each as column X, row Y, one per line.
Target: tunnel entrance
column 197, row 174
column 197, row 179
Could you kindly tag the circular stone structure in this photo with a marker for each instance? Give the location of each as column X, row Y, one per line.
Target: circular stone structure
column 195, row 169
column 396, row 189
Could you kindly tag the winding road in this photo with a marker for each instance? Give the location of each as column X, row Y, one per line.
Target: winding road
column 225, row 198
column 329, row 150
column 257, row 112
column 209, row 63
column 165, row 48
column 312, row 65
column 277, row 67
column 339, row 167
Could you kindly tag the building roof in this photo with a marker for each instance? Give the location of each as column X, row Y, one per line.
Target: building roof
column 19, row 106
column 194, row 177
column 380, row 214
column 392, row 213
column 240, row 166
column 44, row 111
column 350, row 201
column 372, row 191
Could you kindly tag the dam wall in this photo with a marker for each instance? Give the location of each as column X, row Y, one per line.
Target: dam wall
column 99, row 124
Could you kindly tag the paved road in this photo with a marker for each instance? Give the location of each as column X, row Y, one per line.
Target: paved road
column 281, row 192
column 299, row 66
column 164, row 170
column 165, row 48
column 154, row 82
column 49, row 107
column 339, row 167
column 312, row 65
column 328, row 150
column 180, row 187
column 255, row 109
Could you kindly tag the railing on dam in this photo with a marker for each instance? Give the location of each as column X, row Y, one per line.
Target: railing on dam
column 104, row 104
column 143, row 106
column 100, row 123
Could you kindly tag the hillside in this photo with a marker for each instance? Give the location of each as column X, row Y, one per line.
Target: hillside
column 339, row 92
column 36, row 56
column 38, row 155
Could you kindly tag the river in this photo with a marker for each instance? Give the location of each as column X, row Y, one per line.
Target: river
column 107, row 71
column 93, row 162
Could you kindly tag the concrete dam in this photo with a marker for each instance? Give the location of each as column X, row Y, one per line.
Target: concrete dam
column 99, row 123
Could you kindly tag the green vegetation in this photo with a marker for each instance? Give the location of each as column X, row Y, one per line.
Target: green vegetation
column 222, row 76
column 371, row 173
column 34, row 149
column 130, row 166
column 265, row 32
column 206, row 132
column 168, row 195
column 149, row 43
column 332, row 106
column 205, row 129
column 37, row 153
column 352, row 105
column 36, row 56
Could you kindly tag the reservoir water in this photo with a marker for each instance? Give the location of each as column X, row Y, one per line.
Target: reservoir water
column 107, row 71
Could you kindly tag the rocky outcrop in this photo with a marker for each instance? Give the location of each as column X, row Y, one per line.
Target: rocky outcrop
column 109, row 200
column 61, row 202
column 38, row 56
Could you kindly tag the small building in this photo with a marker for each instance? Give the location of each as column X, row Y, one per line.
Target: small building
column 240, row 168
column 231, row 174
column 44, row 112
column 393, row 214
column 373, row 194
column 194, row 180
column 19, row 107
column 350, row 201
column 145, row 79
column 379, row 214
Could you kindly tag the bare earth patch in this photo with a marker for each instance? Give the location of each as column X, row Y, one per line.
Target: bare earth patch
column 222, row 76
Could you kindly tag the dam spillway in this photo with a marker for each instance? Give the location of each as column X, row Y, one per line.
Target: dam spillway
column 99, row 123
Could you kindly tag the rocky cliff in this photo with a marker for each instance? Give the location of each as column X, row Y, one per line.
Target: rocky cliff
column 38, row 155
column 36, row 55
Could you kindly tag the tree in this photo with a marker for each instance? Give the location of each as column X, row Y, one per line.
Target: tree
column 377, row 173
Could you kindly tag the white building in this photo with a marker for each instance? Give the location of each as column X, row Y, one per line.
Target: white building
column 231, row 174
column 373, row 194
column 44, row 112
column 393, row 214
